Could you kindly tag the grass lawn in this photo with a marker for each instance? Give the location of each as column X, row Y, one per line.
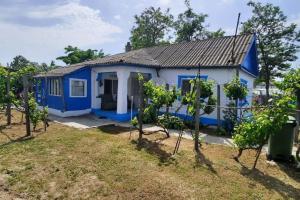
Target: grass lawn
column 105, row 164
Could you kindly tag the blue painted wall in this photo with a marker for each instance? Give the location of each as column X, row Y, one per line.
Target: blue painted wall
column 251, row 61
column 43, row 98
column 70, row 103
column 77, row 103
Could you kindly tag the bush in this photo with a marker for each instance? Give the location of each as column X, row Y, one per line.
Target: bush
column 171, row 122
column 35, row 114
column 235, row 89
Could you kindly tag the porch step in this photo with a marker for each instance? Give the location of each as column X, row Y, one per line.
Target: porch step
column 113, row 115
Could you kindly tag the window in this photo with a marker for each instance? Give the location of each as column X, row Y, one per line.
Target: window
column 184, row 82
column 54, row 87
column 185, row 86
column 78, row 88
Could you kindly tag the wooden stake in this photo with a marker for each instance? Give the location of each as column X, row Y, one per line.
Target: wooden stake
column 218, row 106
column 26, row 106
column 8, row 105
column 141, row 108
column 197, row 115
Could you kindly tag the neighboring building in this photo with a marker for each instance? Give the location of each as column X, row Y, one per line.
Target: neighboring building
column 105, row 86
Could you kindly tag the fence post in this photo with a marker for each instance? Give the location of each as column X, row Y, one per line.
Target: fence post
column 141, row 108
column 218, row 106
column 26, row 106
column 8, row 105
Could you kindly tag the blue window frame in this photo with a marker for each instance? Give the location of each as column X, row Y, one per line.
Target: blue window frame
column 182, row 78
column 188, row 77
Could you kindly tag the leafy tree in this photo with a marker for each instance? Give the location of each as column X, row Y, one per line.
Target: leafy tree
column 290, row 85
column 150, row 28
column 215, row 34
column 3, row 76
column 190, row 25
column 159, row 97
column 76, row 55
column 277, row 40
column 43, row 67
column 35, row 114
column 19, row 62
column 207, row 100
column 255, row 132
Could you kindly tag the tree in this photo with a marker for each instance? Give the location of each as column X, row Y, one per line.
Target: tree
column 150, row 28
column 255, row 132
column 190, row 25
column 215, row 34
column 159, row 97
column 290, row 85
column 19, row 62
column 44, row 67
column 76, row 55
column 277, row 40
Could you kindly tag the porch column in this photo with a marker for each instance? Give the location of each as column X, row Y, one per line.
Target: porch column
column 122, row 91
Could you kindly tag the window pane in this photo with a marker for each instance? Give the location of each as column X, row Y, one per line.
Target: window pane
column 77, row 88
column 186, row 87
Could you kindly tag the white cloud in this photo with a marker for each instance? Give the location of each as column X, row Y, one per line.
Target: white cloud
column 77, row 25
column 227, row 1
column 117, row 17
column 164, row 2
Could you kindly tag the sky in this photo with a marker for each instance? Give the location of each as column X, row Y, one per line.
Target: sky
column 40, row 29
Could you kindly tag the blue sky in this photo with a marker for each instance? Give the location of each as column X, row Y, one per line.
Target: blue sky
column 40, row 29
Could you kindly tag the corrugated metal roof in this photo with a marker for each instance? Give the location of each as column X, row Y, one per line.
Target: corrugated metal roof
column 208, row 52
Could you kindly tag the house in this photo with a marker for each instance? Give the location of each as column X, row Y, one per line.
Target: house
column 108, row 86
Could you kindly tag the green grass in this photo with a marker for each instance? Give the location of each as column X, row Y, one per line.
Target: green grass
column 91, row 164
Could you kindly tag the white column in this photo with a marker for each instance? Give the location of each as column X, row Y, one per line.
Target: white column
column 123, row 76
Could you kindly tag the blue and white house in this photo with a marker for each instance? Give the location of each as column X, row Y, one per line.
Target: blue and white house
column 107, row 87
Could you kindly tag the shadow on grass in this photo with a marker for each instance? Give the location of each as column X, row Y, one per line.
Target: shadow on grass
column 200, row 159
column 290, row 169
column 271, row 183
column 113, row 129
column 18, row 140
column 154, row 148
column 33, row 135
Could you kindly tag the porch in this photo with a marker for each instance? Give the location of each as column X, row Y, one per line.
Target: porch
column 116, row 94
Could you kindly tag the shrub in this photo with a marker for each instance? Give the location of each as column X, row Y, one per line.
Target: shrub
column 171, row 122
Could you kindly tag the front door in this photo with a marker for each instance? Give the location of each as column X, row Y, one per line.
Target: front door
column 111, row 87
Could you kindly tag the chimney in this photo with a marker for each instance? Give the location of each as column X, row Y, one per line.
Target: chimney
column 128, row 47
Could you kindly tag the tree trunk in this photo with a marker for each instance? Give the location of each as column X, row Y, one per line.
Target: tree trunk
column 267, row 89
column 239, row 155
column 257, row 156
column 297, row 116
column 197, row 115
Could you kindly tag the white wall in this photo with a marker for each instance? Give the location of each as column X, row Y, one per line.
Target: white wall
column 220, row 76
column 120, row 69
column 170, row 76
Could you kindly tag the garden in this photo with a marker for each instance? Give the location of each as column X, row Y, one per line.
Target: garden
column 62, row 162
